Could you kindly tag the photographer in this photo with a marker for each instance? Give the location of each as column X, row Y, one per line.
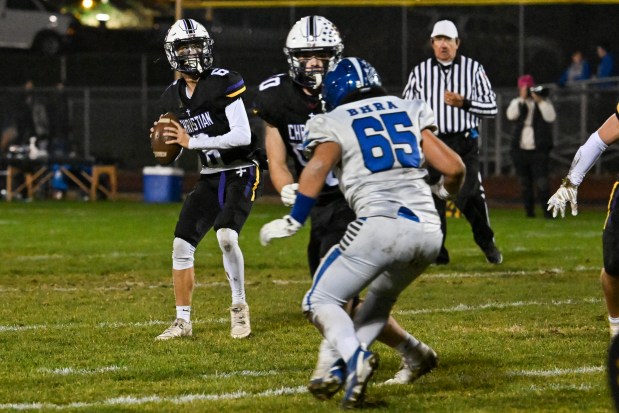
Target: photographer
column 532, row 112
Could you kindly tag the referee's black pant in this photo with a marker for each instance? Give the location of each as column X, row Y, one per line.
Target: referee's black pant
column 471, row 200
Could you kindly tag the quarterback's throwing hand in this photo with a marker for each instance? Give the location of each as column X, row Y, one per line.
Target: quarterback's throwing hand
column 567, row 192
column 279, row 228
column 289, row 194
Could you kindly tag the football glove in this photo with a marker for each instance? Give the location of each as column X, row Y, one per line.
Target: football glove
column 289, row 194
column 279, row 228
column 567, row 192
column 439, row 190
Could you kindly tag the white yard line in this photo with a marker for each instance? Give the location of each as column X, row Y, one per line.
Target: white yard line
column 139, row 400
column 243, row 373
column 558, row 372
column 563, row 387
column 491, row 274
column 454, row 309
column 67, row 371
column 282, row 391
column 465, row 307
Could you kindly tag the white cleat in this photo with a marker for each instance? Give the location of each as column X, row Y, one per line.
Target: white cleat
column 179, row 328
column 239, row 321
column 413, row 368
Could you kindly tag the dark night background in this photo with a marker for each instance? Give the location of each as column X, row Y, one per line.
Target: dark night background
column 251, row 40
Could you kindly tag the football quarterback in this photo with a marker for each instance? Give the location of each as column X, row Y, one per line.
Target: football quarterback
column 208, row 102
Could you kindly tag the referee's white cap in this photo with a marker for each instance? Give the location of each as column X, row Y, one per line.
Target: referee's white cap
column 445, row 28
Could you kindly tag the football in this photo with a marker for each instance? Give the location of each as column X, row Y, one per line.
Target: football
column 164, row 154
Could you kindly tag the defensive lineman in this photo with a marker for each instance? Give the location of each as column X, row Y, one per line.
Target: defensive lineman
column 285, row 102
column 378, row 146
column 214, row 122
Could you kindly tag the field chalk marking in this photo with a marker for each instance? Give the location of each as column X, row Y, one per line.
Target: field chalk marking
column 134, row 401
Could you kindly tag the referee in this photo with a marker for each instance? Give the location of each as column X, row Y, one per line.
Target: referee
column 459, row 92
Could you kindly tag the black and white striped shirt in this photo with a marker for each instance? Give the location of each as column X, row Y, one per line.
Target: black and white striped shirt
column 429, row 80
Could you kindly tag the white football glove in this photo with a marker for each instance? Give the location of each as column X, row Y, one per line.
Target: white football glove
column 439, row 190
column 289, row 194
column 567, row 192
column 279, row 228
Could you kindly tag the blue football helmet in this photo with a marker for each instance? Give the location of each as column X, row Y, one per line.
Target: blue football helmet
column 349, row 75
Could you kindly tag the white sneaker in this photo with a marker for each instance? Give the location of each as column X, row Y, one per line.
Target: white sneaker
column 179, row 328
column 239, row 321
column 413, row 368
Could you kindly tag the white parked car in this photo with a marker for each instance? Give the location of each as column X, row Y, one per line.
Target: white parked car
column 35, row 24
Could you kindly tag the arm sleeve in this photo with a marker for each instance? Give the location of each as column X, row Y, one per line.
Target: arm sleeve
column 239, row 135
column 483, row 101
column 548, row 111
column 585, row 158
column 513, row 110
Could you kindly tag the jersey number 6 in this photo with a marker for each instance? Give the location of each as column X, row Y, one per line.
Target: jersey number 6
column 393, row 139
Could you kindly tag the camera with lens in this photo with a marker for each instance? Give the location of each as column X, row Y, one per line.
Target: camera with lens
column 540, row 91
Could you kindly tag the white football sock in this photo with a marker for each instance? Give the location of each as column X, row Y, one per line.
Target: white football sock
column 407, row 345
column 234, row 263
column 614, row 326
column 183, row 312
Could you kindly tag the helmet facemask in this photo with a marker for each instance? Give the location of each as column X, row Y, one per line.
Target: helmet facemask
column 188, row 47
column 308, row 66
column 313, row 47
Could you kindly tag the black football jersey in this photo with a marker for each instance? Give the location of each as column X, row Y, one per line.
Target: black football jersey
column 281, row 103
column 205, row 112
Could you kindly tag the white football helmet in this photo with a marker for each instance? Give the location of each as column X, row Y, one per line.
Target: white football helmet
column 312, row 37
column 189, row 47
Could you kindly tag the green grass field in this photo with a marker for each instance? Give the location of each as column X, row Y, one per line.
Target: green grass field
column 85, row 288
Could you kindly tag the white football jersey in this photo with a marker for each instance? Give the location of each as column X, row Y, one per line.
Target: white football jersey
column 383, row 166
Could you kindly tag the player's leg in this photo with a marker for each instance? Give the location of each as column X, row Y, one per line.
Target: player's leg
column 193, row 222
column 610, row 273
column 339, row 278
column 410, row 259
column 610, row 286
column 239, row 195
column 328, row 225
column 330, row 291
column 417, row 358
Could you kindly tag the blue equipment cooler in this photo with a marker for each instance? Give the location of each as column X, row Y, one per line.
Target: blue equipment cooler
column 162, row 184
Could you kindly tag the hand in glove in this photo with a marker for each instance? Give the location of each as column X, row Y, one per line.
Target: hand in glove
column 289, row 194
column 567, row 192
column 439, row 190
column 279, row 228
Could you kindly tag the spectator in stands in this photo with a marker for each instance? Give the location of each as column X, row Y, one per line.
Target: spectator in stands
column 606, row 67
column 578, row 69
column 532, row 113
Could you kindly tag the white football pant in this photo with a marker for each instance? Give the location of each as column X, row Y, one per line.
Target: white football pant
column 381, row 253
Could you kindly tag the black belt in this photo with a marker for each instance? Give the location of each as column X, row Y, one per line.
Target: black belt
column 469, row 133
